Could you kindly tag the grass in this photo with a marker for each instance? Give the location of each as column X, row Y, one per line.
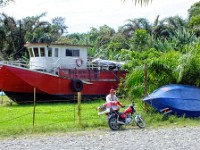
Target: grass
column 49, row 118
column 17, row 120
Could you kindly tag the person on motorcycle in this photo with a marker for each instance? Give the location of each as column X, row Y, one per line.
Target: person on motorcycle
column 112, row 100
column 111, row 96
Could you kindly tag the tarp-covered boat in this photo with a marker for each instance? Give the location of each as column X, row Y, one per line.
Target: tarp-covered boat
column 181, row 100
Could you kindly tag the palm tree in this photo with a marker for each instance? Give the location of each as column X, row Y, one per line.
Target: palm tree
column 135, row 24
column 35, row 30
column 5, row 2
column 43, row 31
column 188, row 70
column 142, row 2
column 11, row 37
column 168, row 26
column 194, row 17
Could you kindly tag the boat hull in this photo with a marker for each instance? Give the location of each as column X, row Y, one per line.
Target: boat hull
column 19, row 84
column 181, row 100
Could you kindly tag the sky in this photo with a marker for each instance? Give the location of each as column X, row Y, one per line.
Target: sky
column 81, row 15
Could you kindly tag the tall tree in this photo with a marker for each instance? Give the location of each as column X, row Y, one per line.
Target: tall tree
column 11, row 37
column 168, row 26
column 5, row 2
column 139, row 40
column 43, row 31
column 142, row 2
column 14, row 33
column 135, row 24
column 194, row 17
column 58, row 25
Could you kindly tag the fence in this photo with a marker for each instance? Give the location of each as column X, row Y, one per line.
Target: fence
column 48, row 116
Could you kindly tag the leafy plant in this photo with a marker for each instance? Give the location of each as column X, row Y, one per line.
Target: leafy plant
column 189, row 67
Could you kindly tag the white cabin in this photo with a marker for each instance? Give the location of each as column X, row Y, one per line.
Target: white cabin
column 50, row 57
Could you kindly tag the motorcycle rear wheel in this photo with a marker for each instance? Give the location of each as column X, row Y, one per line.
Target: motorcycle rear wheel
column 112, row 122
column 140, row 122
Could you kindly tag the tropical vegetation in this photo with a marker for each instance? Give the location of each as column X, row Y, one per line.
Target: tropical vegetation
column 169, row 46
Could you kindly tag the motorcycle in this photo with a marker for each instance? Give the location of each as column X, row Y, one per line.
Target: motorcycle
column 116, row 119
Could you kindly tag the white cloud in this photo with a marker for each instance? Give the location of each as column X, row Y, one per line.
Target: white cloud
column 81, row 15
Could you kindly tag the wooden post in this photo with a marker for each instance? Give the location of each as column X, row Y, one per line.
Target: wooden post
column 145, row 80
column 34, row 107
column 79, row 107
column 1, row 102
column 145, row 84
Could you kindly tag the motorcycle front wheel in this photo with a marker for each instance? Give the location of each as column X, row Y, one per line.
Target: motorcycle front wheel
column 140, row 122
column 112, row 122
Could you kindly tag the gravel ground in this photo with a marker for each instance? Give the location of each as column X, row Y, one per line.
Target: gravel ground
column 186, row 138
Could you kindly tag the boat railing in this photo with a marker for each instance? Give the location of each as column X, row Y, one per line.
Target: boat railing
column 91, row 71
column 18, row 63
column 23, row 64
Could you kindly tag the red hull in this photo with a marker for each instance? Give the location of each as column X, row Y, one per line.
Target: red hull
column 19, row 83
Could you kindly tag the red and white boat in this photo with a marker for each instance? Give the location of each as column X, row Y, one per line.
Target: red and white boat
column 56, row 72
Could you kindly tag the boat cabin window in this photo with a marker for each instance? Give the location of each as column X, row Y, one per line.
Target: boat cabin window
column 42, row 52
column 49, row 49
column 68, row 52
column 36, row 51
column 30, row 52
column 74, row 53
column 56, row 52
